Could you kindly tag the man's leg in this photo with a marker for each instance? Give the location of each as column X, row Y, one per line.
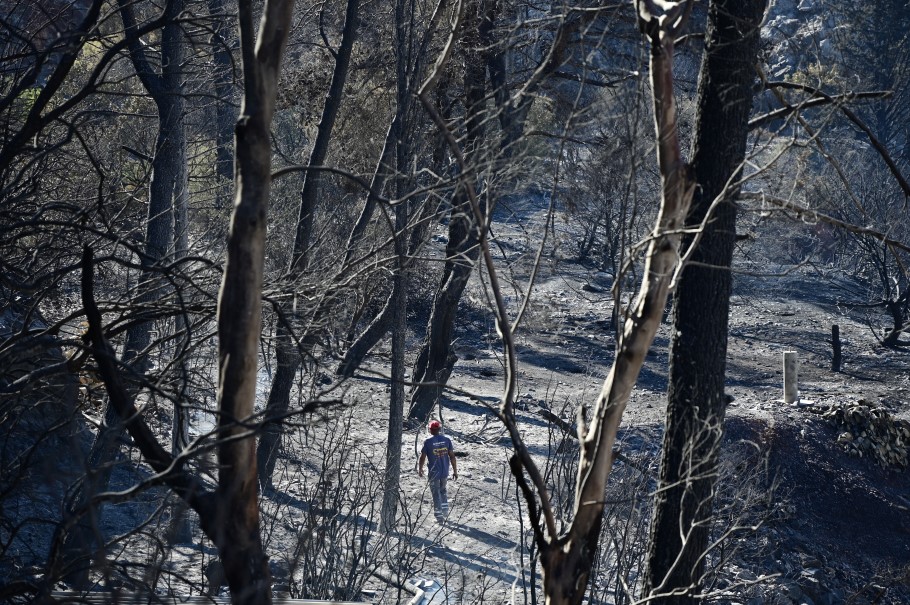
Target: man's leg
column 443, row 497
column 437, row 498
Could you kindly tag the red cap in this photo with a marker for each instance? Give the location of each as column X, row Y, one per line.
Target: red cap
column 434, row 425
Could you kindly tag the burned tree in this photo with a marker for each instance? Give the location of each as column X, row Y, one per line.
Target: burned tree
column 696, row 401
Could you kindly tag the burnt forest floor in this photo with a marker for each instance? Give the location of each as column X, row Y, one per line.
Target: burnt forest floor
column 805, row 521
column 800, row 517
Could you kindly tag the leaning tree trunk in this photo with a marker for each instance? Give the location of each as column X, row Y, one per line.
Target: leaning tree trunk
column 240, row 308
column 436, row 357
column 696, row 404
column 288, row 356
column 380, row 325
column 418, row 53
column 567, row 557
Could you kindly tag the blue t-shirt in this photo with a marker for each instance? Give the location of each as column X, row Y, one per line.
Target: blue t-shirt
column 437, row 450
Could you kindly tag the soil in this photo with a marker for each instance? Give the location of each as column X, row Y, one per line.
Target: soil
column 833, row 527
column 802, row 520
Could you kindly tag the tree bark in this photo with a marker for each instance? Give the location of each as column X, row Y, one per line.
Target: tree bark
column 567, row 558
column 225, row 114
column 399, row 303
column 240, row 310
column 167, row 190
column 436, row 358
column 835, row 348
column 166, row 91
column 181, row 530
column 404, row 36
column 696, row 404
column 288, row 357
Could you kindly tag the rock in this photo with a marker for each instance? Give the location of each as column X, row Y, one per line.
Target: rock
column 871, row 432
column 811, row 587
column 793, row 592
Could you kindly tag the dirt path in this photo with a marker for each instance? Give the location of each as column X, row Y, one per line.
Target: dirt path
column 844, row 519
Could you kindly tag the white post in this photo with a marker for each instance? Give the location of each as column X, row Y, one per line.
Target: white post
column 791, row 365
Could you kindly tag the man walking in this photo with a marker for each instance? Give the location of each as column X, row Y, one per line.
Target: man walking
column 439, row 450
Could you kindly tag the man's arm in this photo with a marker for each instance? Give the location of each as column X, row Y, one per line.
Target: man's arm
column 423, row 458
column 454, row 464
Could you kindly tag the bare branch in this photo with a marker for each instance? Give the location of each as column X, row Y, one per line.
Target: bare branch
column 804, row 213
column 788, row 109
column 506, row 411
column 839, row 103
column 170, row 469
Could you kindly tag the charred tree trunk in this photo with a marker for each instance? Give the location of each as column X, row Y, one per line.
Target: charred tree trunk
column 436, row 358
column 225, row 112
column 696, row 402
column 368, row 339
column 835, row 348
column 567, row 556
column 381, row 324
column 181, row 530
column 897, row 310
column 511, row 114
column 418, row 55
column 240, row 309
column 399, row 304
column 404, row 37
column 166, row 90
column 288, row 355
column 166, row 190
column 287, row 362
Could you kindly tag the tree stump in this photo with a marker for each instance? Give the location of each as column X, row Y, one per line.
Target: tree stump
column 835, row 348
